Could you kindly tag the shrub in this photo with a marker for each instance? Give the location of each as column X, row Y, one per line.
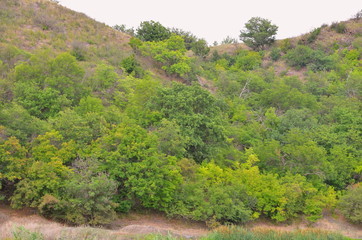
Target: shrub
column 45, row 22
column 152, row 31
column 351, row 204
column 357, row 43
column 313, row 35
column 285, row 45
column 229, row 40
column 275, row 54
column 131, row 66
column 339, row 27
column 303, row 56
column 79, row 50
column 200, row 48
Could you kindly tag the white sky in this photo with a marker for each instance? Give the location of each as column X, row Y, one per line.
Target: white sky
column 214, row 20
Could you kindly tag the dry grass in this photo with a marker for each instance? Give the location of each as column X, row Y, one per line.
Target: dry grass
column 36, row 24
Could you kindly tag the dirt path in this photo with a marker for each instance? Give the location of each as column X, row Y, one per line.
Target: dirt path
column 135, row 225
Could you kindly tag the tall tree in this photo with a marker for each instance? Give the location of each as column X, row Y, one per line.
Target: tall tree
column 258, row 33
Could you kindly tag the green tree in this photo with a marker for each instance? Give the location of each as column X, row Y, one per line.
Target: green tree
column 171, row 53
column 151, row 31
column 200, row 48
column 87, row 196
column 258, row 33
column 351, row 204
column 197, row 113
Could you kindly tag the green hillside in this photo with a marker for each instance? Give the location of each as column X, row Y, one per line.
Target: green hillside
column 95, row 122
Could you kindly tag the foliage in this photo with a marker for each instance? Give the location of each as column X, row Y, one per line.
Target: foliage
column 91, row 126
column 258, row 33
column 152, row 31
column 87, row 196
column 350, row 204
column 132, row 66
column 313, row 35
column 198, row 115
column 303, row 56
column 171, row 54
column 339, row 27
column 200, row 48
column 229, row 40
column 123, row 28
column 275, row 54
column 188, row 37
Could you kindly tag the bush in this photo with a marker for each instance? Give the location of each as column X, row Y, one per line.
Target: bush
column 339, row 27
column 79, row 50
column 151, row 31
column 275, row 54
column 351, row 204
column 131, row 65
column 285, row 45
column 200, row 48
column 313, row 35
column 303, row 56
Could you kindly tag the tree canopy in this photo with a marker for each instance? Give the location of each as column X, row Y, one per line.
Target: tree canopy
column 258, row 33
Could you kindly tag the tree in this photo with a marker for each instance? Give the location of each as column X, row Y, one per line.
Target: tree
column 351, row 204
column 200, row 48
column 151, row 31
column 259, row 33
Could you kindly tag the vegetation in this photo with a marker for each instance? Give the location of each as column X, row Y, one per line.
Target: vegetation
column 223, row 233
column 258, row 33
column 92, row 128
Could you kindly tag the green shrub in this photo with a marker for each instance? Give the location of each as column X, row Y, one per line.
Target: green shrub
column 351, row 204
column 339, row 27
column 303, row 56
column 200, row 48
column 357, row 43
column 151, row 31
column 285, row 45
column 275, row 54
column 131, row 65
column 313, row 35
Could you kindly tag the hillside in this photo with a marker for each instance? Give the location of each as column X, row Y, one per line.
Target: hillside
column 95, row 123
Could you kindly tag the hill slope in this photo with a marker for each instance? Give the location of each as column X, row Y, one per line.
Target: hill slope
column 92, row 123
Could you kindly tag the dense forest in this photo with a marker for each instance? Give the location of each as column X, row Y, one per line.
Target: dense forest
column 96, row 121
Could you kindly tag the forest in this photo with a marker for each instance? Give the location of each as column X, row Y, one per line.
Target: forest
column 97, row 121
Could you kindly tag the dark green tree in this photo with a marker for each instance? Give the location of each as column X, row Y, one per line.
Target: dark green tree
column 151, row 31
column 200, row 48
column 258, row 33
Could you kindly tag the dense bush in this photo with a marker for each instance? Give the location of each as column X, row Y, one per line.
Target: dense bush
column 258, row 33
column 303, row 56
column 351, row 204
column 339, row 27
column 152, row 31
column 246, row 140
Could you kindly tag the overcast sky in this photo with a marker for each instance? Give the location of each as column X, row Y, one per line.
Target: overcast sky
column 214, row 20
